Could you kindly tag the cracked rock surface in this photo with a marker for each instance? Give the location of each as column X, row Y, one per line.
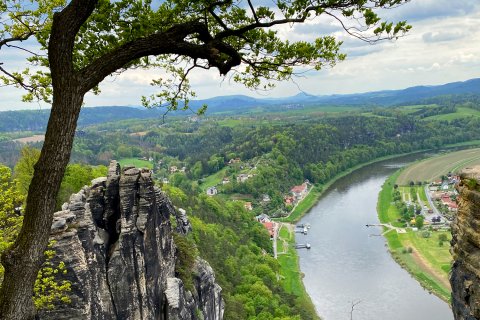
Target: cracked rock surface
column 115, row 239
column 465, row 275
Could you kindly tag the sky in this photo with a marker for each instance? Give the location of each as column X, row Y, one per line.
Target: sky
column 442, row 47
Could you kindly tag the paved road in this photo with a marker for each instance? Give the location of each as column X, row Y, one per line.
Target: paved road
column 432, row 205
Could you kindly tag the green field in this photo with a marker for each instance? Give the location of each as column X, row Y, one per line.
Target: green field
column 136, row 162
column 213, row 179
column 428, row 262
column 433, row 168
column 462, row 112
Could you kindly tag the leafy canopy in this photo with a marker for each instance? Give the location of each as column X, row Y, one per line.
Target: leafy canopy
column 239, row 36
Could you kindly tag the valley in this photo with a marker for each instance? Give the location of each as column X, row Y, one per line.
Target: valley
column 224, row 170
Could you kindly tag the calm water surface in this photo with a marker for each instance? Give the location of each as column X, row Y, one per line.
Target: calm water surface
column 348, row 262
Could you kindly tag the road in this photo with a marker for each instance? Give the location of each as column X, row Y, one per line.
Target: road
column 275, row 238
column 432, row 205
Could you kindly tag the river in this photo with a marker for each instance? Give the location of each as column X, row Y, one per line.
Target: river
column 349, row 263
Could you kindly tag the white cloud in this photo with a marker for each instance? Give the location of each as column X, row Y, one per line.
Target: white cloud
column 443, row 46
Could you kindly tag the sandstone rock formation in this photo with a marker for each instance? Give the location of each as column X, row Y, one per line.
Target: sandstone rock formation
column 465, row 276
column 115, row 238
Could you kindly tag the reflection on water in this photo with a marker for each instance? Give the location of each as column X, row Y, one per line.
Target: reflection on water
column 347, row 265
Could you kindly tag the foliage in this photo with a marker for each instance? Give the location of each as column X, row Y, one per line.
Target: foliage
column 186, row 254
column 49, row 288
column 10, row 220
column 239, row 250
column 238, row 33
column 442, row 237
column 76, row 176
column 419, row 221
column 23, row 170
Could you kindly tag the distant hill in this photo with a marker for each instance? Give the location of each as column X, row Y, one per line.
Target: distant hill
column 383, row 98
column 36, row 120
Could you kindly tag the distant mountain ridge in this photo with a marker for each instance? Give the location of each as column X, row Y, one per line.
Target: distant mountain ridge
column 36, row 120
column 384, row 97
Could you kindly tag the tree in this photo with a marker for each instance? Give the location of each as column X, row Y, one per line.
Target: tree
column 87, row 40
column 419, row 222
column 23, row 171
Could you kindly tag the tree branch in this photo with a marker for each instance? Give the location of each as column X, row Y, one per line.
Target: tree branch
column 171, row 41
column 253, row 11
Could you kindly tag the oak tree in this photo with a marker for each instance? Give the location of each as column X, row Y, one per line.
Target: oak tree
column 74, row 45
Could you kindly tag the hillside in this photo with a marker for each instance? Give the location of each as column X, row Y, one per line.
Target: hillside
column 36, row 120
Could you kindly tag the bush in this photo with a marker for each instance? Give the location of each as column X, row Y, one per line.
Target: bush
column 442, row 237
column 409, row 250
column 425, row 234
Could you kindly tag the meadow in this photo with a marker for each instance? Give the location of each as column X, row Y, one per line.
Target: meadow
column 433, row 168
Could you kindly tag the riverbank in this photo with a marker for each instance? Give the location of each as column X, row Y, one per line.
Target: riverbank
column 318, row 190
column 420, row 255
column 290, row 274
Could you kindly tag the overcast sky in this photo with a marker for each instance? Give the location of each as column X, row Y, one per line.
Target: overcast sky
column 443, row 46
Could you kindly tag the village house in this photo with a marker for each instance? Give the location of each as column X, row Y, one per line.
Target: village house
column 232, row 161
column 165, row 181
column 452, row 205
column 270, row 227
column 226, row 180
column 212, row 191
column 173, row 169
column 289, row 200
column 248, row 206
column 242, row 177
column 300, row 191
column 265, row 198
column 262, row 218
column 183, row 169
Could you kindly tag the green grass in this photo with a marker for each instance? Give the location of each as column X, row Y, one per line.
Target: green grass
column 213, row 179
column 136, row 162
column 291, row 277
column 462, row 112
column 433, row 168
column 386, row 212
column 423, row 196
column 437, row 257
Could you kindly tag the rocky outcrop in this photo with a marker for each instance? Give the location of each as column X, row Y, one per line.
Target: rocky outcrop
column 465, row 275
column 115, row 238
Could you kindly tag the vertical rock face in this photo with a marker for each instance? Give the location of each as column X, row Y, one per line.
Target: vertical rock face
column 465, row 276
column 115, row 239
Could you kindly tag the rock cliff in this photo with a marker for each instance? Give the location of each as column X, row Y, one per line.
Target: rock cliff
column 115, row 238
column 465, row 275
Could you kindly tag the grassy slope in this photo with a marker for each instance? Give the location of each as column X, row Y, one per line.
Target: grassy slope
column 438, row 259
column 136, row 162
column 213, row 179
column 461, row 113
column 290, row 270
column 433, row 168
